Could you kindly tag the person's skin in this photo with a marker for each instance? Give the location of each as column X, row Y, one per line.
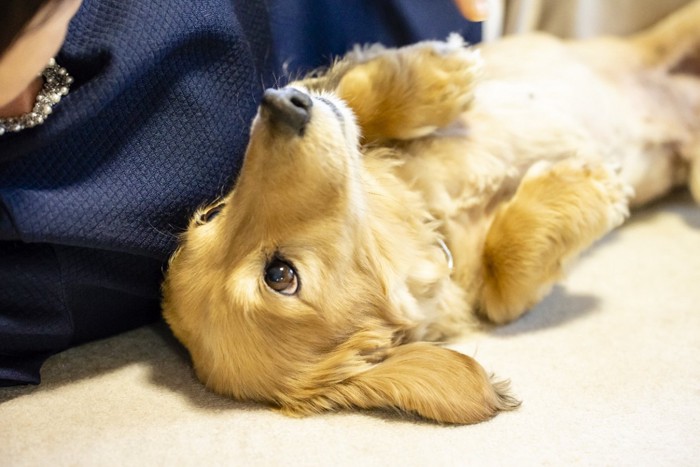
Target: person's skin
column 21, row 65
column 473, row 10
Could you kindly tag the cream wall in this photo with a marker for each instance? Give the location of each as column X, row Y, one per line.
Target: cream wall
column 575, row 18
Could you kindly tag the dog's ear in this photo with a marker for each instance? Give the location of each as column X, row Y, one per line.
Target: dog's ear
column 424, row 379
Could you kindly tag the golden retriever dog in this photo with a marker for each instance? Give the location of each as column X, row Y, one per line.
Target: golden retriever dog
column 406, row 195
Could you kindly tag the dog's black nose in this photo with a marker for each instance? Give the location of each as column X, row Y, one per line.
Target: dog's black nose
column 289, row 107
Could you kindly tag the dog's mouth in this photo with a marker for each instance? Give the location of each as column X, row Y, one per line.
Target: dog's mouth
column 334, row 108
column 336, row 111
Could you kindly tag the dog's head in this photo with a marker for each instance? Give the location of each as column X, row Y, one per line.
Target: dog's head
column 302, row 286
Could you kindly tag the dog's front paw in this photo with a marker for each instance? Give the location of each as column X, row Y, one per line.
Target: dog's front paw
column 445, row 81
column 410, row 92
column 558, row 210
column 611, row 195
column 616, row 192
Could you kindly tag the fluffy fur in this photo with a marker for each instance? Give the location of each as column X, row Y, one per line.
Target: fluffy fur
column 518, row 155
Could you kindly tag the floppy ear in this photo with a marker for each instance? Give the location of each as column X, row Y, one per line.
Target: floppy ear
column 431, row 381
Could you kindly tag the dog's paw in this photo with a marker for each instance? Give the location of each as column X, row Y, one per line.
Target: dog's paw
column 615, row 191
column 562, row 207
column 603, row 179
column 412, row 91
column 559, row 209
column 616, row 194
column 444, row 75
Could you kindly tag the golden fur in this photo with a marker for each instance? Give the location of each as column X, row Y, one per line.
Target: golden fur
column 518, row 155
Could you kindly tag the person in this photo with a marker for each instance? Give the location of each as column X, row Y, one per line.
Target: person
column 142, row 116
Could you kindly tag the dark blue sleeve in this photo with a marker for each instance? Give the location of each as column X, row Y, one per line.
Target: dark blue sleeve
column 308, row 33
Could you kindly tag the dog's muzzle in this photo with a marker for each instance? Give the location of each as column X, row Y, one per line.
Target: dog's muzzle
column 287, row 107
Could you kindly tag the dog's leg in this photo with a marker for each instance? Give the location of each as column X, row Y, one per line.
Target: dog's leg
column 407, row 93
column 673, row 47
column 557, row 212
column 673, row 39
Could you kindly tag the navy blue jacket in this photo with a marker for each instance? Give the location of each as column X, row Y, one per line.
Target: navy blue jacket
column 155, row 124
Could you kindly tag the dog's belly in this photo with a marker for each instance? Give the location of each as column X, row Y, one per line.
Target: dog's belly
column 539, row 100
column 544, row 99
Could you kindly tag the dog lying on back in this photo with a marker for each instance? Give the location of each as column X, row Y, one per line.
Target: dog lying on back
column 407, row 193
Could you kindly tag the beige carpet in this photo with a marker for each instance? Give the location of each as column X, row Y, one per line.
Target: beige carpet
column 608, row 369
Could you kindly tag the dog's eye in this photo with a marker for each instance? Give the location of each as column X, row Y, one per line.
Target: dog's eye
column 210, row 213
column 281, row 277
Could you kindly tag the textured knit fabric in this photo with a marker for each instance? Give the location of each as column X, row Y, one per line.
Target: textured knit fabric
column 156, row 124
column 309, row 33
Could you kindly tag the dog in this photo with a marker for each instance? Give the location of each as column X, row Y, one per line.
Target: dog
column 404, row 196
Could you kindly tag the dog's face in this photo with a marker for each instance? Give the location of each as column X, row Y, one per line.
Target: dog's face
column 289, row 291
column 270, row 282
